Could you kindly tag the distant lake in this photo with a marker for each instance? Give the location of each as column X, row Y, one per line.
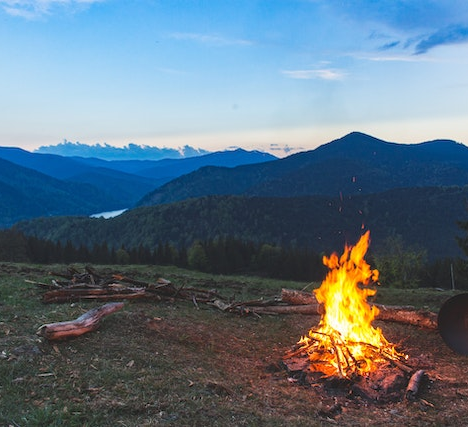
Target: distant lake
column 109, row 214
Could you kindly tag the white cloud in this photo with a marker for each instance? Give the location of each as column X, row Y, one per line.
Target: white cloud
column 322, row 74
column 211, row 39
column 31, row 9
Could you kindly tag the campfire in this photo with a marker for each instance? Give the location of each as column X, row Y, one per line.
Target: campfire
column 345, row 343
column 345, row 350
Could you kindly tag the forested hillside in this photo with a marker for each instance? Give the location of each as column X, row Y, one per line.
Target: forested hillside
column 424, row 217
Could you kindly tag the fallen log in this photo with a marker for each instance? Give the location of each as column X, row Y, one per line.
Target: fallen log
column 408, row 315
column 296, row 297
column 87, row 322
column 401, row 314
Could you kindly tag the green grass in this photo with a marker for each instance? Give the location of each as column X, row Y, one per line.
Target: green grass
column 169, row 363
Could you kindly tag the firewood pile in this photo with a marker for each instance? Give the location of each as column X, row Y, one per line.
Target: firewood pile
column 74, row 285
column 337, row 371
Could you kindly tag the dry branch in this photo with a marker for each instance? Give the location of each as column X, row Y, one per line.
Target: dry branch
column 87, row 322
column 93, row 286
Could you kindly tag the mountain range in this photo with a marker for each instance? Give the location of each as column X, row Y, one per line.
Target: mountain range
column 319, row 198
column 29, row 181
column 354, row 164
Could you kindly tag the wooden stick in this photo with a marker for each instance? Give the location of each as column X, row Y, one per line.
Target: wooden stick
column 87, row 322
column 414, row 384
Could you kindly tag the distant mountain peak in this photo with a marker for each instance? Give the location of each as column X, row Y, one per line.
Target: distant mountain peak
column 359, row 137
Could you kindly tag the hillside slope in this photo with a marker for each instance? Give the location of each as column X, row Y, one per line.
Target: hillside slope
column 26, row 193
column 319, row 222
column 129, row 188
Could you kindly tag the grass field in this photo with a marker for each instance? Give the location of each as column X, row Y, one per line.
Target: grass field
column 173, row 364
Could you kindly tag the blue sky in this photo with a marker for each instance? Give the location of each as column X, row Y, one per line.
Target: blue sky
column 213, row 74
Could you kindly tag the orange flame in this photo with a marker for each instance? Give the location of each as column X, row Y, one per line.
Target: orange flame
column 345, row 338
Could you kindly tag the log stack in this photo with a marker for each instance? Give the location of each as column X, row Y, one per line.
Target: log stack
column 91, row 285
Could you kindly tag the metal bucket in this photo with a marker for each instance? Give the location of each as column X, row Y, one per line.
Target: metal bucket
column 453, row 323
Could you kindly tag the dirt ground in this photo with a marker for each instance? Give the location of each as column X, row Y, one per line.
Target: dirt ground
column 245, row 357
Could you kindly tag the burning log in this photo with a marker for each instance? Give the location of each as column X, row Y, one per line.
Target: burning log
column 400, row 314
column 345, row 350
column 87, row 322
column 345, row 343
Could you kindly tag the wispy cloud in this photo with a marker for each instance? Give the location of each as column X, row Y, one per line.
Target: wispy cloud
column 321, row 74
column 419, row 25
column 210, row 39
column 31, row 9
column 388, row 46
column 405, row 15
column 445, row 36
column 390, row 58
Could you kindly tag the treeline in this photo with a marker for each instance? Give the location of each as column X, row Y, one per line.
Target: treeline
column 218, row 256
column 399, row 266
